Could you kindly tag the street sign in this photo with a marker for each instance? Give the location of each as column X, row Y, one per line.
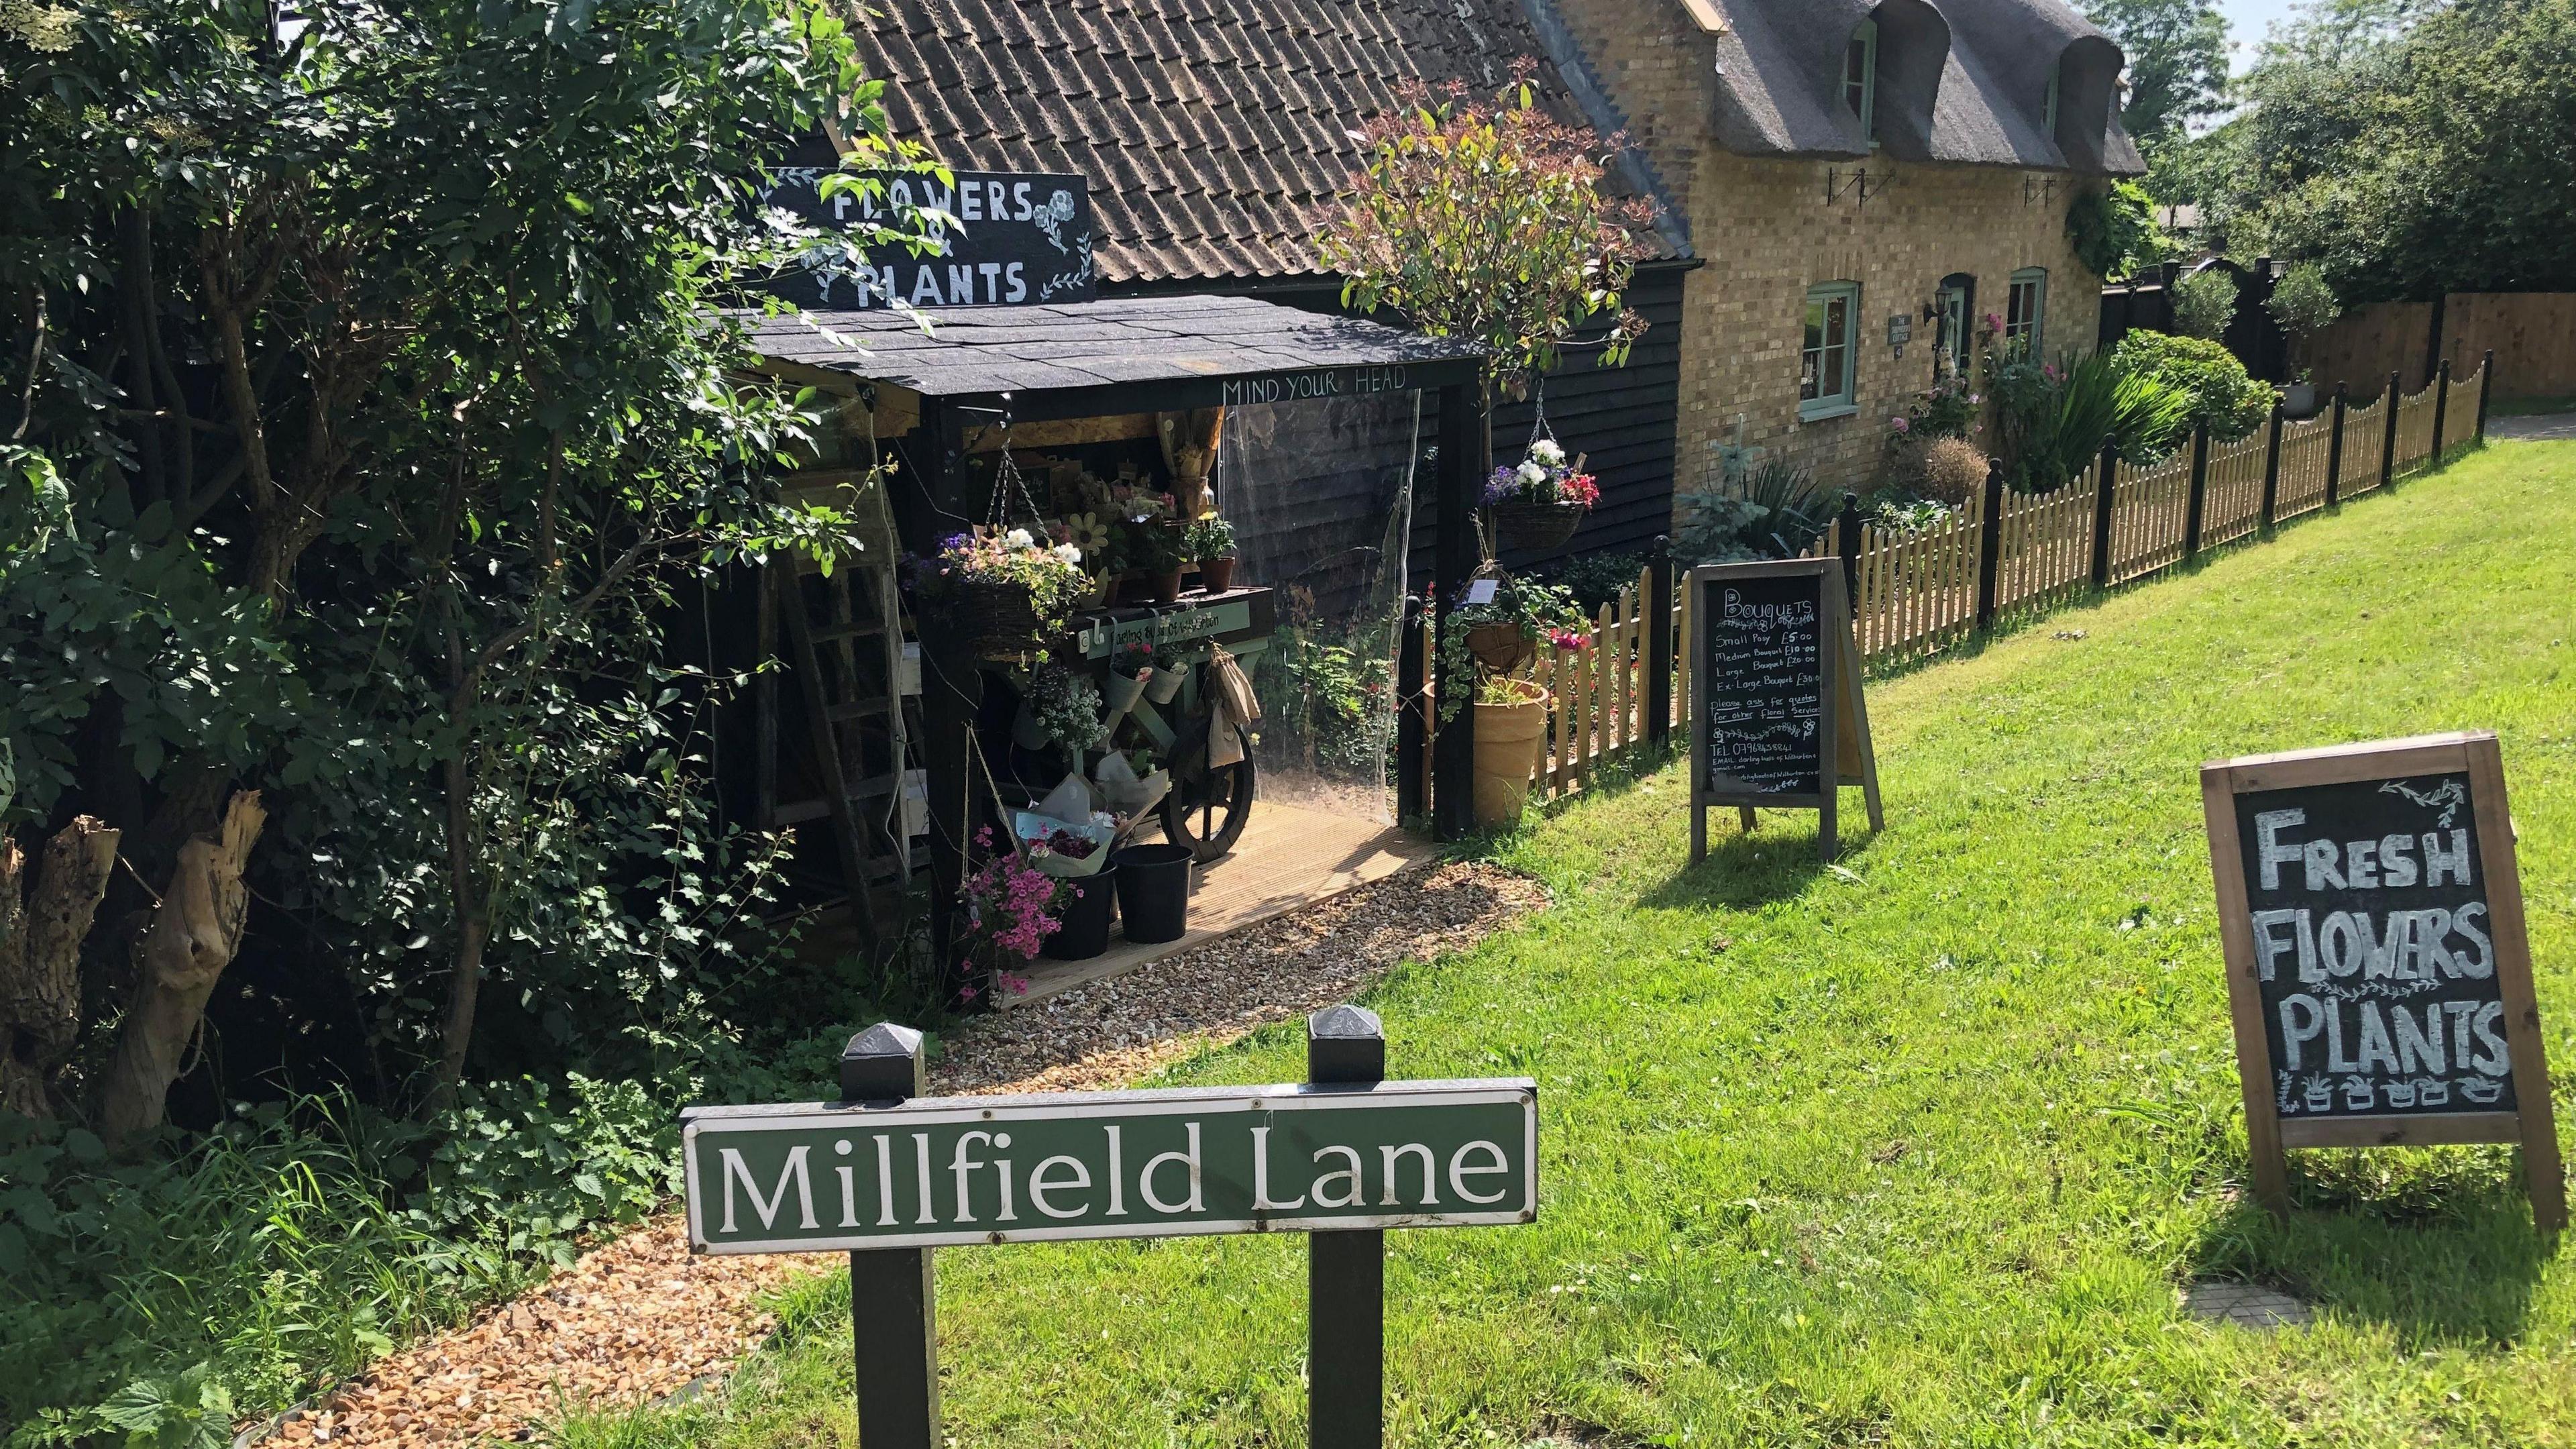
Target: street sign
column 934, row 1173
column 890, row 1176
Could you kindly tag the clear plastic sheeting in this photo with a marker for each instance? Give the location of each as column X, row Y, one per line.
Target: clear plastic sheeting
column 1321, row 496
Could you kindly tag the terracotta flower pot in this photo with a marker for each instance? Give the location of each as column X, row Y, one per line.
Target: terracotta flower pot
column 1508, row 740
column 1166, row 585
column 1216, row 575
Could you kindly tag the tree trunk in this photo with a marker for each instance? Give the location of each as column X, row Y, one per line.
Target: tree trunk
column 193, row 935
column 473, row 928
column 40, row 947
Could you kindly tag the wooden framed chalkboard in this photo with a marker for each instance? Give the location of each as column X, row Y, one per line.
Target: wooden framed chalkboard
column 2378, row 972
column 1777, row 714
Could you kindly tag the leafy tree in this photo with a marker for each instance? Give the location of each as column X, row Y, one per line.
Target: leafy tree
column 2114, row 231
column 2204, row 302
column 2412, row 149
column 2177, row 71
column 375, row 408
column 1488, row 222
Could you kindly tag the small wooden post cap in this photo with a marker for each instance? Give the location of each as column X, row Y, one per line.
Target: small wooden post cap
column 882, row 1063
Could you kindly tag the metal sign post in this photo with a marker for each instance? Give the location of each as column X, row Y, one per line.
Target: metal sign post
column 888, row 1175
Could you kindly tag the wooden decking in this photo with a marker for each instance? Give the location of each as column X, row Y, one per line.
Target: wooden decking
column 1288, row 858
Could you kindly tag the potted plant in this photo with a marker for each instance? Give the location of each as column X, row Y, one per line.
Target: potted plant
column 1541, row 502
column 1211, row 546
column 1131, row 664
column 1503, row 633
column 1004, row 590
column 1010, row 910
column 1511, row 728
column 1061, row 706
column 1169, row 671
column 2304, row 303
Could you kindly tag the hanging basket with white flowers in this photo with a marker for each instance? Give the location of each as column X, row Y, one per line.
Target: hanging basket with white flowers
column 1539, row 503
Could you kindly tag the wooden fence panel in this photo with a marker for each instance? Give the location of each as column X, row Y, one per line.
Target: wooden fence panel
column 2365, row 437
column 2233, row 504
column 2148, row 508
column 2304, row 446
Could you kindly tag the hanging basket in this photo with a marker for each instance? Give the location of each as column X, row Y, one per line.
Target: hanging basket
column 1501, row 648
column 1521, row 527
column 997, row 620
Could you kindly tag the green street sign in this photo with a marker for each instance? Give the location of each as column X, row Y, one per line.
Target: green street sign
column 944, row 1172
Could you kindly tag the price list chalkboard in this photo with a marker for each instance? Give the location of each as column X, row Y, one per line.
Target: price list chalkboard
column 2377, row 965
column 1777, row 718
column 1764, row 688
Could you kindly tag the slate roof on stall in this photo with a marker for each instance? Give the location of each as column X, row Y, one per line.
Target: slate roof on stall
column 979, row 350
column 1213, row 133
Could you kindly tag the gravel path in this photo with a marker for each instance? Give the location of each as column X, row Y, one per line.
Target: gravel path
column 639, row 1317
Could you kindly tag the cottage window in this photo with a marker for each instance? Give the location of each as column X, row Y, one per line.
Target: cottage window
column 1860, row 78
column 2025, row 309
column 2048, row 107
column 1831, row 348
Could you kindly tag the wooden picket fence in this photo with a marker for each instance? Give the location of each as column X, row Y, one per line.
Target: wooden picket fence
column 1915, row 593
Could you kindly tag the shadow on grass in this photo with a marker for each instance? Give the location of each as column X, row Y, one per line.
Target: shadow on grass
column 2438, row 1244
column 1745, row 871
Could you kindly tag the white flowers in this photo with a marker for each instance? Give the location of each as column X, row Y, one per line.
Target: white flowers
column 1068, row 553
column 1547, row 453
column 1532, row 473
column 1019, row 538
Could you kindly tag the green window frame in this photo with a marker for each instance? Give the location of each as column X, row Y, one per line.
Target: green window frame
column 1860, row 77
column 2026, row 311
column 1829, row 353
column 2048, row 106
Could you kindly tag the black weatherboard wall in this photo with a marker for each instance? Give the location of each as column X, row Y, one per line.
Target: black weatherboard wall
column 1621, row 418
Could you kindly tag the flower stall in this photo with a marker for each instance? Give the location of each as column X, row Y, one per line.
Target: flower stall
column 1102, row 559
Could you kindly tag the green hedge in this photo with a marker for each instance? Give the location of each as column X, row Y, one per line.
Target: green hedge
column 2223, row 394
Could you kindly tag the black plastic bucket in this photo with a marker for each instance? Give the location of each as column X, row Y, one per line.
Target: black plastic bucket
column 1082, row 932
column 1154, row 891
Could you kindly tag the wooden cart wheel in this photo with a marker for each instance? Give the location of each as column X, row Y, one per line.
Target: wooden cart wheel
column 1206, row 813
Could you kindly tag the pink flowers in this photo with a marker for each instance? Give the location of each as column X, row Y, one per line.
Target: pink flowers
column 1568, row 639
column 1901, row 424
column 1008, row 907
column 1578, row 488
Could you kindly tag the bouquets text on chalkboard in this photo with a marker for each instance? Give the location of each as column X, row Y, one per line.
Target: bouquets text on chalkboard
column 1777, row 714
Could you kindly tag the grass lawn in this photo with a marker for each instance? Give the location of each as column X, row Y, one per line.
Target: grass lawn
column 1918, row 1150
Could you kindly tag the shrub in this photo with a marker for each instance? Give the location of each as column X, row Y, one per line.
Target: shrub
column 2056, row 417
column 2204, row 303
column 2302, row 301
column 1953, row 470
column 1596, row 578
column 2223, row 395
column 1772, row 509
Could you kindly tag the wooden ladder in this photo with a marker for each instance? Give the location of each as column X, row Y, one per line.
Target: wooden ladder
column 858, row 696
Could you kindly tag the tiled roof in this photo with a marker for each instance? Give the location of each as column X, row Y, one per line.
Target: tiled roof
column 1160, row 339
column 1212, row 132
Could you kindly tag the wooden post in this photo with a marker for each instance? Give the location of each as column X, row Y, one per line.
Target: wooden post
column 2388, row 434
column 2486, row 388
column 2334, row 448
column 2441, row 404
column 1464, row 442
column 1847, row 543
column 2106, row 483
column 2272, row 466
column 893, row 1311
column 1346, row 1271
column 2196, row 505
column 1989, row 542
column 952, row 680
column 1412, row 713
column 1659, row 643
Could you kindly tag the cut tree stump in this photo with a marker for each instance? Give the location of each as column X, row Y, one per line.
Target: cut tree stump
column 192, row 937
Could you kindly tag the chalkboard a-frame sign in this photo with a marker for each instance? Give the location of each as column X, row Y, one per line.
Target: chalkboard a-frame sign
column 1777, row 714
column 2378, row 972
